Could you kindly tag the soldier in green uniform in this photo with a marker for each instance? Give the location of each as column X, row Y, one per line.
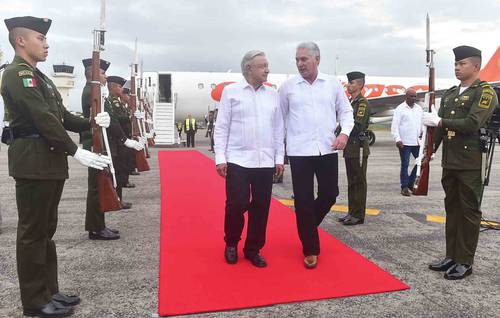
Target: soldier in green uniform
column 464, row 110
column 127, row 129
column 118, row 139
column 39, row 146
column 356, row 151
column 94, row 217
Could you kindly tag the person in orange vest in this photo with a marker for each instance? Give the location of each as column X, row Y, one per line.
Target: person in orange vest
column 190, row 129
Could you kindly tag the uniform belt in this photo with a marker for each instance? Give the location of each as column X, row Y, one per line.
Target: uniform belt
column 25, row 133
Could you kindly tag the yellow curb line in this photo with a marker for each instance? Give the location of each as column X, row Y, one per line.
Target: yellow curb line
column 442, row 220
column 335, row 208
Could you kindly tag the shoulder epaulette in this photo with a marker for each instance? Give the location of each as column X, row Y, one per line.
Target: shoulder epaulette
column 484, row 84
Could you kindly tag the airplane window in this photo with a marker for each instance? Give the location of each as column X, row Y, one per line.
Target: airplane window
column 213, row 85
column 200, row 85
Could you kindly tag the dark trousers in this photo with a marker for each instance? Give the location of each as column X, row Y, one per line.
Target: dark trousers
column 247, row 189
column 37, row 203
column 310, row 212
column 356, row 186
column 406, row 180
column 190, row 138
column 120, row 163
column 463, row 216
column 94, row 218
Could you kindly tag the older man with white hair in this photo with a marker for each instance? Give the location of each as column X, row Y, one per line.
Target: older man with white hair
column 311, row 103
column 249, row 150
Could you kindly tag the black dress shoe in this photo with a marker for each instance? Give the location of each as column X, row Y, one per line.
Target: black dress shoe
column 442, row 265
column 126, row 205
column 66, row 300
column 129, row 185
column 231, row 254
column 134, row 173
column 103, row 235
column 49, row 310
column 351, row 220
column 342, row 218
column 112, row 230
column 257, row 260
column 458, row 271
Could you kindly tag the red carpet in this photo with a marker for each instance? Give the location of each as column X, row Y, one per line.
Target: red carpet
column 194, row 276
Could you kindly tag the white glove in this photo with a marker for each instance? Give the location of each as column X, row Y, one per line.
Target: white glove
column 142, row 140
column 132, row 144
column 431, row 119
column 149, row 135
column 138, row 114
column 149, row 121
column 90, row 159
column 103, row 119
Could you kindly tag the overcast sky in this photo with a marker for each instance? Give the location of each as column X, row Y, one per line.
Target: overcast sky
column 378, row 37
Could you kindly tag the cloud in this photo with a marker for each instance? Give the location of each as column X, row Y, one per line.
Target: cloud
column 379, row 37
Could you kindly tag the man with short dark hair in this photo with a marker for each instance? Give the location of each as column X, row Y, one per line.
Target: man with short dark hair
column 356, row 151
column 119, row 141
column 406, row 129
column 39, row 147
column 94, row 217
column 464, row 110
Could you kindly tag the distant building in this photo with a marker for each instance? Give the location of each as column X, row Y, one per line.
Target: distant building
column 64, row 80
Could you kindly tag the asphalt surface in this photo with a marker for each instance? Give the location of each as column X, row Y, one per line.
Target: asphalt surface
column 120, row 278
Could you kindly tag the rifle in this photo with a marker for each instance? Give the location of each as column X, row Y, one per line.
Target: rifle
column 140, row 157
column 106, row 180
column 421, row 186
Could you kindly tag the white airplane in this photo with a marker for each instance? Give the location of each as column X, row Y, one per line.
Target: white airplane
column 175, row 95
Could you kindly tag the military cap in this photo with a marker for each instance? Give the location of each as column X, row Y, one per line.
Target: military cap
column 40, row 25
column 464, row 51
column 104, row 64
column 117, row 79
column 355, row 75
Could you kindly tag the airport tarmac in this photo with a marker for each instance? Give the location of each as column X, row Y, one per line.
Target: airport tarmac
column 401, row 235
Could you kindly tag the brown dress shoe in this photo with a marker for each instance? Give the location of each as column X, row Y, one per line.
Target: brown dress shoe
column 405, row 192
column 311, row 261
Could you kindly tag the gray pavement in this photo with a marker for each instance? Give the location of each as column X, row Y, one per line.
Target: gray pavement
column 119, row 278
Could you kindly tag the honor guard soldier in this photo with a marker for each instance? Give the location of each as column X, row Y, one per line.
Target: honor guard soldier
column 127, row 128
column 39, row 146
column 94, row 217
column 356, row 151
column 464, row 110
column 118, row 139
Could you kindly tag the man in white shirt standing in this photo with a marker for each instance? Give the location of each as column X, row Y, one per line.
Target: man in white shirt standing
column 249, row 150
column 406, row 129
column 311, row 104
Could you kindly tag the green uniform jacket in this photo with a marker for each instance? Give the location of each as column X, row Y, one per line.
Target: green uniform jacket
column 361, row 111
column 118, row 115
column 462, row 117
column 34, row 104
column 86, row 108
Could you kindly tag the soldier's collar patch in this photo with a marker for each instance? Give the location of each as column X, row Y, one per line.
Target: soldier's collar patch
column 25, row 73
column 30, row 82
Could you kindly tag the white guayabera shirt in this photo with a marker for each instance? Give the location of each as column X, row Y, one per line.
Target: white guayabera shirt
column 311, row 112
column 249, row 130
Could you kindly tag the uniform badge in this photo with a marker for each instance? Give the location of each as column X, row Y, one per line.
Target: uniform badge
column 25, row 73
column 486, row 98
column 29, row 82
column 361, row 110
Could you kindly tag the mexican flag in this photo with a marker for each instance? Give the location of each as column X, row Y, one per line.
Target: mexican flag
column 29, row 82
